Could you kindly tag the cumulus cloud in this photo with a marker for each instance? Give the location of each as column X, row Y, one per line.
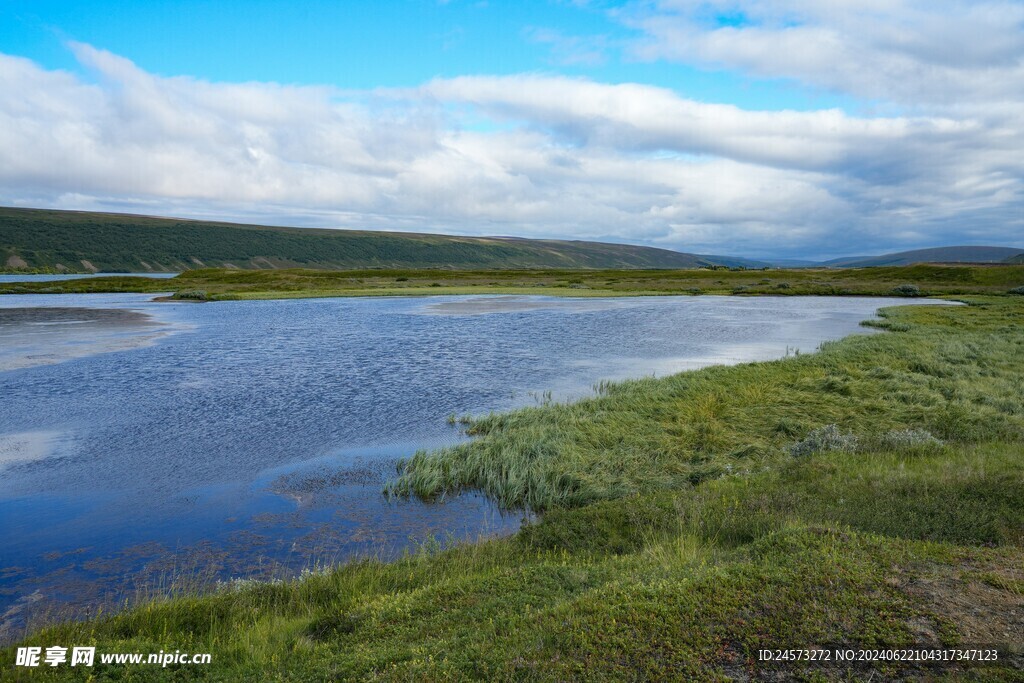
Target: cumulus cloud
column 914, row 52
column 527, row 155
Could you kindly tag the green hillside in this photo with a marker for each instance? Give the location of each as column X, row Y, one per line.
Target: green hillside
column 1019, row 258
column 74, row 241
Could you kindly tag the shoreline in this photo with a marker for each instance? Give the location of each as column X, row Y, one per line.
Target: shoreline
column 674, row 503
column 410, row 482
column 211, row 284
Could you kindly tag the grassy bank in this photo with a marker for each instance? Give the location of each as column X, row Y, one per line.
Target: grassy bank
column 689, row 522
column 216, row 284
column 951, row 371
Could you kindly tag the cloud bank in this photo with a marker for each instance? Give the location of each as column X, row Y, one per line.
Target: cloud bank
column 915, row 52
column 541, row 155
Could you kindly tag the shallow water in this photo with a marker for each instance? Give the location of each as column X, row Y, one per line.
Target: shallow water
column 44, row 336
column 56, row 277
column 253, row 437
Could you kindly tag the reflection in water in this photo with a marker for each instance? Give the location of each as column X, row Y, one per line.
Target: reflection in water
column 43, row 336
column 163, row 442
column 26, row 446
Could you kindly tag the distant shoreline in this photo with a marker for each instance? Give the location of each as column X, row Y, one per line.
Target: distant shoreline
column 228, row 284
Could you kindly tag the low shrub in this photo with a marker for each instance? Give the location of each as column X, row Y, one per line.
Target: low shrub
column 1017, row 290
column 904, row 440
column 888, row 325
column 823, row 439
column 191, row 295
column 905, row 290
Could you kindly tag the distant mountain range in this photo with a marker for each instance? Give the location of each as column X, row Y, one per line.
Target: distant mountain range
column 935, row 255
column 82, row 241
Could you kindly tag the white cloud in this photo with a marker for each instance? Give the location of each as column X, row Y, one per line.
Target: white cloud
column 914, row 52
column 526, row 155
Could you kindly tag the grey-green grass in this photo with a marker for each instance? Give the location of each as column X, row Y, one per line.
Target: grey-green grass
column 679, row 536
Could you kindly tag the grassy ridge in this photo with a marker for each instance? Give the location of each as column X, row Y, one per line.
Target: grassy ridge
column 233, row 284
column 35, row 239
column 682, row 534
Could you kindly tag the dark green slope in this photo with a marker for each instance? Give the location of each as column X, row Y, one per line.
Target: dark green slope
column 1019, row 258
column 84, row 241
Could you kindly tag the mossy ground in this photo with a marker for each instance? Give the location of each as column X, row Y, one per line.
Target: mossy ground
column 679, row 536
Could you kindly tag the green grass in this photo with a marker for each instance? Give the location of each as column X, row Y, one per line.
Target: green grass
column 304, row 283
column 679, row 534
column 680, row 585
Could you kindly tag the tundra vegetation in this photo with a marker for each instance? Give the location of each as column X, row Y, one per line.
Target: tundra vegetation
column 870, row 494
column 226, row 284
column 45, row 240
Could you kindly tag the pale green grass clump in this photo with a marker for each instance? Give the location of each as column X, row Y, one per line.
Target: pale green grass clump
column 909, row 440
column 822, row 440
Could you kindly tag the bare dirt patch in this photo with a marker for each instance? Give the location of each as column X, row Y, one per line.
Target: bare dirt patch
column 982, row 601
column 15, row 261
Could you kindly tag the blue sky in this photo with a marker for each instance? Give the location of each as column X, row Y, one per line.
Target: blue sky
column 363, row 45
column 762, row 128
